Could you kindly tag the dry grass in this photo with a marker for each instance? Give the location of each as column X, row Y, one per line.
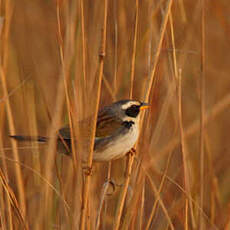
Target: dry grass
column 61, row 61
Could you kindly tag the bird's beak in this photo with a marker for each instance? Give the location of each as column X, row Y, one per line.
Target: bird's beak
column 144, row 106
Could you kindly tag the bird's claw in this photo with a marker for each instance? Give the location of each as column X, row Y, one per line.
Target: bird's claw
column 132, row 152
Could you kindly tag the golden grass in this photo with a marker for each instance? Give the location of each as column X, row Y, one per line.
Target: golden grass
column 61, row 61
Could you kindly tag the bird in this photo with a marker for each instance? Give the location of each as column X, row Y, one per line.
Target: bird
column 117, row 131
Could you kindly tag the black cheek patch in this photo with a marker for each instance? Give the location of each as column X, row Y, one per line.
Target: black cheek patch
column 133, row 111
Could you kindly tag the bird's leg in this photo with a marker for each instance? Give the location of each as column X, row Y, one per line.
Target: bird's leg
column 131, row 152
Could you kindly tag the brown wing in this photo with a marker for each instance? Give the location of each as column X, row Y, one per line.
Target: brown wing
column 107, row 124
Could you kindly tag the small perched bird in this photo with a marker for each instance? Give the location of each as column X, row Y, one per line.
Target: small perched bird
column 117, row 131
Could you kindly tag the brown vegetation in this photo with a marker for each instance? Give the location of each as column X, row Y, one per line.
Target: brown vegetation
column 62, row 60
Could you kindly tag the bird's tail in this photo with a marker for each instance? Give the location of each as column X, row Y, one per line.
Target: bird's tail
column 29, row 138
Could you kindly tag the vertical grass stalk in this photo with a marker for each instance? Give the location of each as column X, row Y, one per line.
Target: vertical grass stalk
column 97, row 96
column 202, row 113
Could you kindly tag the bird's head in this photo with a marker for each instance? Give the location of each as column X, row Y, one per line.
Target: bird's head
column 128, row 110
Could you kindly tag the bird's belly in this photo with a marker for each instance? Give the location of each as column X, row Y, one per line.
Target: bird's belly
column 117, row 147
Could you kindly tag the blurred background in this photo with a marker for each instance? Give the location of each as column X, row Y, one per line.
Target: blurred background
column 50, row 66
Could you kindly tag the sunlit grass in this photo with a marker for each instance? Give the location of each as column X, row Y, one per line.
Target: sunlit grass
column 61, row 61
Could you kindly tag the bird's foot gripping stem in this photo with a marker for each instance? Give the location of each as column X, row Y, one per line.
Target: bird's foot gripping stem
column 132, row 152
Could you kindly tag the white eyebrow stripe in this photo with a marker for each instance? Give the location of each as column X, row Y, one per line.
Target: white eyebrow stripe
column 129, row 104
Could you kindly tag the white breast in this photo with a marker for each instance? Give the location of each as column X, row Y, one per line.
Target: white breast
column 119, row 146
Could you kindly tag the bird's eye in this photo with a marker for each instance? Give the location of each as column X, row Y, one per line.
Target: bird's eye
column 132, row 111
